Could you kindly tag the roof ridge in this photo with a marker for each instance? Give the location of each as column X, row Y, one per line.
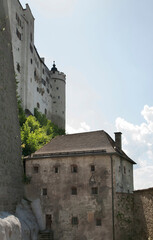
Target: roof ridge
column 83, row 133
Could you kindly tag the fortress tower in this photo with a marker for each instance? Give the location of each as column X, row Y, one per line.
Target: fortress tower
column 58, row 104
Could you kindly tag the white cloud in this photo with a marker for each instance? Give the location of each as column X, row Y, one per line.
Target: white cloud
column 138, row 144
column 143, row 177
column 83, row 127
column 147, row 113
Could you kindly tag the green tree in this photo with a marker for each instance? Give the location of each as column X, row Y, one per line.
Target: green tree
column 36, row 131
column 33, row 136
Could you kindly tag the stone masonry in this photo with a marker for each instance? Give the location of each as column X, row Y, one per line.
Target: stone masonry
column 11, row 188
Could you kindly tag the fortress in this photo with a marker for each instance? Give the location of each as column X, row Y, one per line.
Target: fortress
column 81, row 185
column 38, row 87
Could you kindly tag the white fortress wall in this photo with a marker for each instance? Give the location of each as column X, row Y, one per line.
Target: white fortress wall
column 36, row 86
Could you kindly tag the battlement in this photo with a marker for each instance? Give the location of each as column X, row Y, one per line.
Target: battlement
column 58, row 75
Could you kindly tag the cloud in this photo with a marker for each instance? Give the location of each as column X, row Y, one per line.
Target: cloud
column 53, row 8
column 138, row 144
column 143, row 177
column 83, row 127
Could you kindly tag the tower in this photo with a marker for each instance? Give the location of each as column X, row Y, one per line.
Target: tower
column 58, row 98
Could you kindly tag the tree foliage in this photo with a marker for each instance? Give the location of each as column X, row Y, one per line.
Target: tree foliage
column 36, row 130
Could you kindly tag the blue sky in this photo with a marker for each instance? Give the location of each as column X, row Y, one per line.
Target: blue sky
column 105, row 47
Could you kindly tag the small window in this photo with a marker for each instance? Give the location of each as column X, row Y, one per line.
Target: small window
column 31, row 48
column 58, row 97
column 94, row 190
column 43, row 71
column 119, row 168
column 18, row 67
column 92, row 168
column 38, row 105
column 18, row 34
column 74, row 220
column 57, row 88
column 56, row 169
column 31, row 60
column 44, row 192
column 45, row 111
column 74, row 191
column 98, row 222
column 31, row 37
column 124, row 170
column 74, row 169
column 35, row 169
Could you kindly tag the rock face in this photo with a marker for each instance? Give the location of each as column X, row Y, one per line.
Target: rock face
column 22, row 226
column 10, row 227
column 28, row 221
column 11, row 188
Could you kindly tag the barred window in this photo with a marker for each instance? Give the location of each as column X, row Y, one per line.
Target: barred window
column 92, row 168
column 35, row 169
column 74, row 191
column 74, row 220
column 94, row 190
column 44, row 191
column 98, row 222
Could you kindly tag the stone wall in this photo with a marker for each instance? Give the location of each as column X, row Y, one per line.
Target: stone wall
column 143, row 214
column 123, row 214
column 11, row 188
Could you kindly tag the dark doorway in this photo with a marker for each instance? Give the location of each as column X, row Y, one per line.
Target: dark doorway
column 48, row 221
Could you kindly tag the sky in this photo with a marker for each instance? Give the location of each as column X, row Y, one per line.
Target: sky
column 105, row 48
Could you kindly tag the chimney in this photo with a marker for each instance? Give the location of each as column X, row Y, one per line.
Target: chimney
column 118, row 140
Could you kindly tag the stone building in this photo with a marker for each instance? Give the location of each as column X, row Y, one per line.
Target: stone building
column 78, row 179
column 38, row 87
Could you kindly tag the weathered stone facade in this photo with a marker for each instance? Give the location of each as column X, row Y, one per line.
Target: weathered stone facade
column 143, row 214
column 11, row 188
column 77, row 178
column 62, row 205
column 124, row 216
